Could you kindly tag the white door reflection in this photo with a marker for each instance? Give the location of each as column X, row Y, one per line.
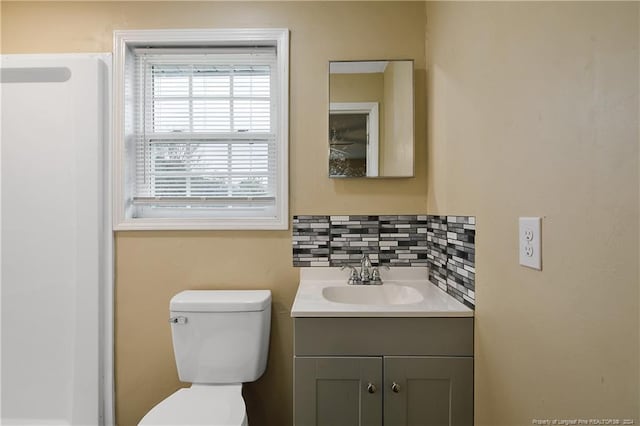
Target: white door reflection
column 353, row 139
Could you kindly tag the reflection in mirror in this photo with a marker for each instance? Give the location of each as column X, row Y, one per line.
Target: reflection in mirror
column 371, row 119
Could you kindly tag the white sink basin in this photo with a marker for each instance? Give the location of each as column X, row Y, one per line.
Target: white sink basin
column 324, row 292
column 387, row 294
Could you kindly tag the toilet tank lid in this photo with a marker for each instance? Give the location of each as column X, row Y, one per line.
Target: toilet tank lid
column 220, row 301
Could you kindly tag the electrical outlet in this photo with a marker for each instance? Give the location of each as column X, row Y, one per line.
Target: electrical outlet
column 530, row 244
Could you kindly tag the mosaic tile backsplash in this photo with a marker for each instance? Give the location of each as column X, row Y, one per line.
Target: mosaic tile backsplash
column 461, row 258
column 351, row 237
column 446, row 244
column 437, row 250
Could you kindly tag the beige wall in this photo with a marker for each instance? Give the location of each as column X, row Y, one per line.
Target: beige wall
column 397, row 153
column 152, row 266
column 357, row 88
column 533, row 110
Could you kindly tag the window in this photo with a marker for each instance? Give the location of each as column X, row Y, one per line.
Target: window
column 202, row 139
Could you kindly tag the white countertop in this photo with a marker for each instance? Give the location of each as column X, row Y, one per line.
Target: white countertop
column 310, row 302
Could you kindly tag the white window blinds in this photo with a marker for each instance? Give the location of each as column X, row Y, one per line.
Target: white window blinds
column 205, row 142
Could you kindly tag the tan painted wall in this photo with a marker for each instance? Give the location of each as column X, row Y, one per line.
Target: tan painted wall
column 356, row 88
column 152, row 266
column 397, row 153
column 533, row 110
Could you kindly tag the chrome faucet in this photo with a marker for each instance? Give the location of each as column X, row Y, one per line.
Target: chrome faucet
column 368, row 275
column 365, row 268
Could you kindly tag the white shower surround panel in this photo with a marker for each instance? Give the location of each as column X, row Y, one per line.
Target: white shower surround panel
column 56, row 240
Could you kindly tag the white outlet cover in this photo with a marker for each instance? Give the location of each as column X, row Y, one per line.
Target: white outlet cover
column 529, row 242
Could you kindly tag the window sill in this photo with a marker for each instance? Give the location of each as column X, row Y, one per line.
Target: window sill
column 146, row 224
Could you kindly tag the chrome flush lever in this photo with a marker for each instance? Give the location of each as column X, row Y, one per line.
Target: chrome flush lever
column 178, row 320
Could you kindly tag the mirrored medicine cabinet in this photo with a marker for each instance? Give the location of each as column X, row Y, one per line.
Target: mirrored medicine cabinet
column 371, row 113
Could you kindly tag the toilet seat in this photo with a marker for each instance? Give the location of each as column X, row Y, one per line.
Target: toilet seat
column 219, row 405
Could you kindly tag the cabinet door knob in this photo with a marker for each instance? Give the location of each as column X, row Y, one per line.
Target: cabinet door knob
column 395, row 387
column 371, row 388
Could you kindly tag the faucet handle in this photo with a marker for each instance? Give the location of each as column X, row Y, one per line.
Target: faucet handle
column 354, row 277
column 376, row 279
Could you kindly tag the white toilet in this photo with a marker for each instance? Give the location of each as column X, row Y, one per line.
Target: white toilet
column 220, row 340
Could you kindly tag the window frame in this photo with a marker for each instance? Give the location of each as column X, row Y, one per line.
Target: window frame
column 124, row 44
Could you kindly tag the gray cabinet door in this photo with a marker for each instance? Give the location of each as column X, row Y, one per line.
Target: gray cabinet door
column 429, row 391
column 333, row 391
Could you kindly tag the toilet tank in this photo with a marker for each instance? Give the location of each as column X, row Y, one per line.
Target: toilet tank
column 220, row 336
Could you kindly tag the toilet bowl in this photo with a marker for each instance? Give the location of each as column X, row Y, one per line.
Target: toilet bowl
column 200, row 405
column 220, row 340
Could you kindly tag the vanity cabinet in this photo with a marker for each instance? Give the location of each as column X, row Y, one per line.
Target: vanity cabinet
column 428, row 391
column 333, row 391
column 383, row 371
